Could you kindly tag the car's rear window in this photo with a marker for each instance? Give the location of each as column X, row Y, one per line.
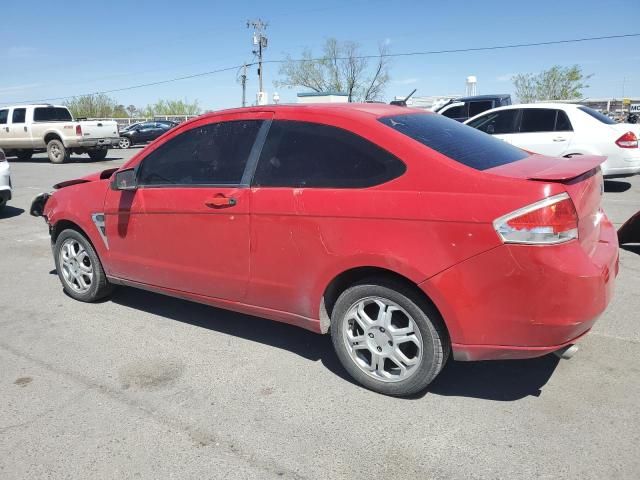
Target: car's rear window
column 597, row 115
column 457, row 141
column 51, row 114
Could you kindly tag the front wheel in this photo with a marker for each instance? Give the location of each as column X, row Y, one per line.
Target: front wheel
column 79, row 267
column 124, row 142
column 98, row 155
column 388, row 338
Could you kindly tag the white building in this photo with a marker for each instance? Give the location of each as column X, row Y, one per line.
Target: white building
column 323, row 97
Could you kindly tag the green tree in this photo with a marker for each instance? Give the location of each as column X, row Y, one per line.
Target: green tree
column 96, row 105
column 557, row 83
column 341, row 68
column 172, row 107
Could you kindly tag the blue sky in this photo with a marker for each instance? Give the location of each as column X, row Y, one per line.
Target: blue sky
column 92, row 46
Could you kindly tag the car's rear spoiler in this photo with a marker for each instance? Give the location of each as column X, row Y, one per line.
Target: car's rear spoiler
column 541, row 167
column 569, row 168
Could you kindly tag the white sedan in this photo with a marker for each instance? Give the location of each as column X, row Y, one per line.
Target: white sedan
column 565, row 130
column 5, row 180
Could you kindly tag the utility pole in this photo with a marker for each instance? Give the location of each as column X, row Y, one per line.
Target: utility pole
column 260, row 43
column 243, row 80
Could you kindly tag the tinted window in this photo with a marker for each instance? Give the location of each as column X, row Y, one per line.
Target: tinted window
column 562, row 122
column 478, row 107
column 457, row 141
column 51, row 114
column 537, row 120
column 502, row 121
column 301, row 154
column 214, row 154
column 3, row 116
column 19, row 115
column 455, row 112
column 597, row 115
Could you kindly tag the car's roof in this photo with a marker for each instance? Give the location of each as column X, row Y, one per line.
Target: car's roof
column 481, row 97
column 561, row 106
column 34, row 105
column 340, row 109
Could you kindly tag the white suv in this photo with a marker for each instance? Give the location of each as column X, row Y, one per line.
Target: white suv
column 565, row 130
column 5, row 181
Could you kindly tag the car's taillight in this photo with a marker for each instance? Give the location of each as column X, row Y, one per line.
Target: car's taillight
column 628, row 140
column 78, row 130
column 552, row 220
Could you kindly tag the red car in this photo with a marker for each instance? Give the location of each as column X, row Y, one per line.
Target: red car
column 404, row 234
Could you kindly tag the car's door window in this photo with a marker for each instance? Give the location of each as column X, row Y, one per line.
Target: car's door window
column 562, row 122
column 3, row 116
column 213, row 154
column 303, row 154
column 455, row 112
column 19, row 115
column 500, row 122
column 478, row 107
column 537, row 120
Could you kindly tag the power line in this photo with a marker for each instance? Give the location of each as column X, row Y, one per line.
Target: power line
column 390, row 55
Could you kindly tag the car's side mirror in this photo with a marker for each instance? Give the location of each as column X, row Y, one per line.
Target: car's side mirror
column 491, row 129
column 124, row 180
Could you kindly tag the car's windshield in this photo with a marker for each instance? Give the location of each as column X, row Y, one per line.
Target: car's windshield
column 51, row 114
column 597, row 115
column 459, row 142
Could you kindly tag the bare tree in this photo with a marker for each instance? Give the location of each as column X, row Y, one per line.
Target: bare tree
column 341, row 68
column 557, row 83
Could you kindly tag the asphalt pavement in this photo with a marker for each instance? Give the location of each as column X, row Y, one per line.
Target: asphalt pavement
column 146, row 386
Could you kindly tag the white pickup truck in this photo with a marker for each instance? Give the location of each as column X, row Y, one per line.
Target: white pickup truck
column 25, row 129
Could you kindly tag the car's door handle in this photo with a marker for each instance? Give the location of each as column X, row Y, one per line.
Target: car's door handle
column 220, row 201
column 559, row 139
column 25, row 128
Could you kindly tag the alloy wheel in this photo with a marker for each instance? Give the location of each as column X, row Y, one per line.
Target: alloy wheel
column 382, row 339
column 76, row 266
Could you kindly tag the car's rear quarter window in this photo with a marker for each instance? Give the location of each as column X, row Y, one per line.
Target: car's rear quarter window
column 455, row 140
column 312, row 155
column 51, row 114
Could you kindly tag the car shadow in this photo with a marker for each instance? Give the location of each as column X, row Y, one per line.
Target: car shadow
column 616, row 186
column 633, row 248
column 493, row 380
column 111, row 156
column 9, row 211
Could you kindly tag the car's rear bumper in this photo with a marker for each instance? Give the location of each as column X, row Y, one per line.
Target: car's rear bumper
column 95, row 142
column 518, row 301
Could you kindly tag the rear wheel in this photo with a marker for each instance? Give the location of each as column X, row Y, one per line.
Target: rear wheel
column 79, row 267
column 98, row 155
column 388, row 338
column 57, row 152
column 25, row 155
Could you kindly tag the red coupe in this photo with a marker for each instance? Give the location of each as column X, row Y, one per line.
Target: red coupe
column 404, row 234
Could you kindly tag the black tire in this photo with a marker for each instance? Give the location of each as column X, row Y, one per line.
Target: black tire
column 98, row 155
column 25, row 155
column 100, row 286
column 436, row 345
column 57, row 152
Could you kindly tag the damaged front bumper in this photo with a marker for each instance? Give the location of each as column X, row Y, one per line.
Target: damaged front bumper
column 38, row 203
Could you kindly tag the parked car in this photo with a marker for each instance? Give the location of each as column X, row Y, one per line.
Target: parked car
column 565, row 130
column 26, row 129
column 461, row 109
column 144, row 132
column 5, row 180
column 405, row 234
